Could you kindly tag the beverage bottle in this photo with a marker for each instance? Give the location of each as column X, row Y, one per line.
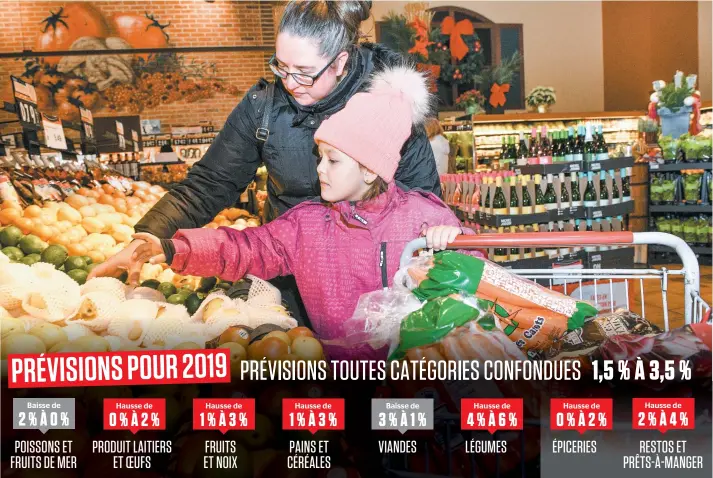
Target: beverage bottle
column 569, row 145
column 625, row 191
column 590, row 193
column 589, row 149
column 550, row 196
column 564, row 195
column 533, row 150
column 589, row 248
column 576, row 196
column 578, row 148
column 514, row 204
column 602, row 148
column 603, row 191
column 615, row 195
column 522, row 153
column 500, row 207
column 545, row 154
column 539, row 196
column 526, row 200
column 500, row 253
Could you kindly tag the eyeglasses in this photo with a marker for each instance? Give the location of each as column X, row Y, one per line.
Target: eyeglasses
column 300, row 78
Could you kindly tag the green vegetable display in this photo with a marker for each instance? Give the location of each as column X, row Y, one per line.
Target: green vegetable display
column 702, row 231
column 669, row 147
column 656, row 189
column 692, row 187
column 690, row 228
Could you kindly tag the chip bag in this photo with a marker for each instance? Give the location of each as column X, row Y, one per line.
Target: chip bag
column 532, row 316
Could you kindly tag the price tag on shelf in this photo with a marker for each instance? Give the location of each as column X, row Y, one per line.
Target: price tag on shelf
column 595, row 166
column 54, row 133
column 506, row 222
column 573, row 168
column 135, row 139
column 402, row 414
column 663, row 414
column 597, row 214
column 653, row 166
column 87, row 121
column 491, row 414
column 313, row 414
column 120, row 134
column 26, row 103
column 224, row 414
column 134, row 414
column 581, row 414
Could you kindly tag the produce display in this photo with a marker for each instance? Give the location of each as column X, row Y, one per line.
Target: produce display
column 695, row 230
column 689, row 186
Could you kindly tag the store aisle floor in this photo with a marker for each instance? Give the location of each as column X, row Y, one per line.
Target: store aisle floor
column 653, row 304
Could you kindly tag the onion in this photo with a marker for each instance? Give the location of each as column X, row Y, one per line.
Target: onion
column 76, row 249
column 43, row 232
column 87, row 211
column 108, row 188
column 106, row 199
column 68, row 213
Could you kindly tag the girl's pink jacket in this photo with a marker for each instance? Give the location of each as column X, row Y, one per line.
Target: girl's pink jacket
column 336, row 253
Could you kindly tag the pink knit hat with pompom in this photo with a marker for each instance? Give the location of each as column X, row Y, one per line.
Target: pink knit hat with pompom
column 374, row 125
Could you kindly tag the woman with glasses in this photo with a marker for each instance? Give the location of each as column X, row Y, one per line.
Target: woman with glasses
column 318, row 66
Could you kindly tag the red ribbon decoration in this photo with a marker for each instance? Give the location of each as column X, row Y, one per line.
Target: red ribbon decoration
column 695, row 126
column 421, row 45
column 497, row 94
column 653, row 112
column 433, row 72
column 464, row 27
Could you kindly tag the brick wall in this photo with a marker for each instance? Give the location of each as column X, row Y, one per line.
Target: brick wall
column 193, row 23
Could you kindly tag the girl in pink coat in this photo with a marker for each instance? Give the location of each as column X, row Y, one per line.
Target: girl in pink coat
column 351, row 243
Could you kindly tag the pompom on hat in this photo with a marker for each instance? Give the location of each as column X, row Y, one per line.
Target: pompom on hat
column 374, row 125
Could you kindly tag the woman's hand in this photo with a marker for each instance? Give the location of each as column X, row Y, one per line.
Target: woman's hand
column 149, row 251
column 438, row 237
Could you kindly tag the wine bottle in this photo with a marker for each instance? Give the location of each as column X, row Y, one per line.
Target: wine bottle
column 589, row 150
column 503, row 148
column 576, row 196
column 577, row 226
column 578, row 148
column 539, row 252
column 545, row 155
column 603, row 191
column 500, row 253
column 569, row 145
column 602, row 148
column 557, row 148
column 590, row 193
column 615, row 195
column 564, row 250
column 526, row 200
column 500, row 207
column 589, row 229
column 550, row 196
column 514, row 202
column 514, row 251
column 522, row 153
column 625, row 192
column 533, row 151
column 551, row 251
column 486, row 203
column 512, row 152
column 564, row 195
column 539, row 196
column 527, row 252
column 600, row 227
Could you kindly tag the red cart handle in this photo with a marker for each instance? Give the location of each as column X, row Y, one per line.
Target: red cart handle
column 542, row 239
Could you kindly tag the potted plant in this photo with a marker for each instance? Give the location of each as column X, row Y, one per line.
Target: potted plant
column 673, row 102
column 471, row 101
column 494, row 82
column 541, row 98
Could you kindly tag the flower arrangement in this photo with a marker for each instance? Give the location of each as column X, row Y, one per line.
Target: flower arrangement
column 472, row 101
column 673, row 103
column 541, row 97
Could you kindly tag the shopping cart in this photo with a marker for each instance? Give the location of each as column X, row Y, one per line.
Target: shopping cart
column 571, row 282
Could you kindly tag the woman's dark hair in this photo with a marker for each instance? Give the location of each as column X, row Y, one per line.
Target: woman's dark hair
column 334, row 25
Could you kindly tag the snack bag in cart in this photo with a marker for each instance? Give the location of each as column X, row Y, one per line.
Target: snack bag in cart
column 531, row 316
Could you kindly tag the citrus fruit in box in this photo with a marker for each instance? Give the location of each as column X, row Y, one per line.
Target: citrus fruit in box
column 31, row 244
column 55, row 255
column 167, row 289
column 14, row 253
column 10, row 236
column 74, row 263
column 31, row 259
column 78, row 275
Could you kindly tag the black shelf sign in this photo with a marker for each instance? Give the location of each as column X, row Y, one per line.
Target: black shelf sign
column 26, row 104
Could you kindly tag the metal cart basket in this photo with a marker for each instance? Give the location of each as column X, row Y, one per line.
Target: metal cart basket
column 571, row 281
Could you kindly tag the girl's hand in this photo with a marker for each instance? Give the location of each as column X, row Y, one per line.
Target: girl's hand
column 438, row 237
column 149, row 251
